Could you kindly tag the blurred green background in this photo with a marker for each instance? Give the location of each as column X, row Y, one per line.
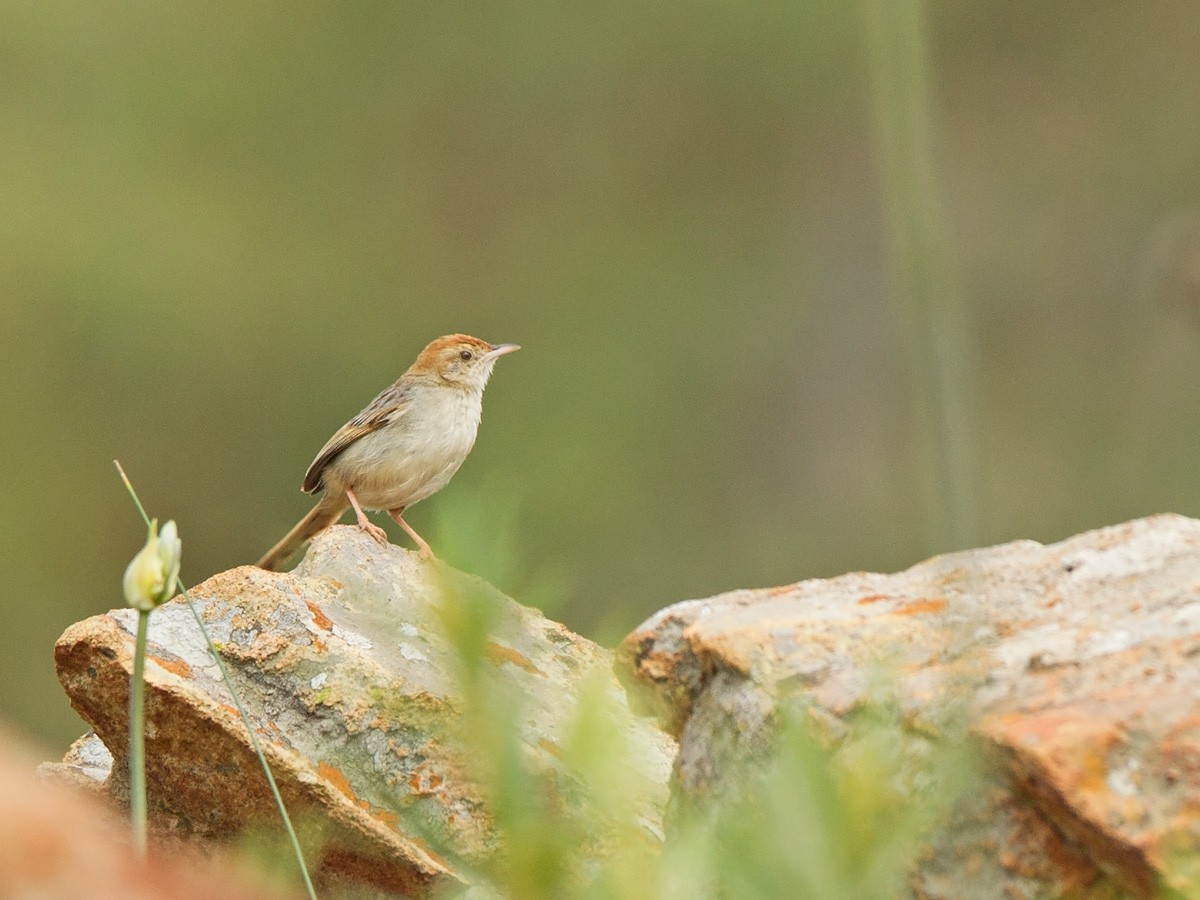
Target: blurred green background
column 226, row 226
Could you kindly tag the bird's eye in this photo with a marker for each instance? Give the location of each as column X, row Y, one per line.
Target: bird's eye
column 466, row 354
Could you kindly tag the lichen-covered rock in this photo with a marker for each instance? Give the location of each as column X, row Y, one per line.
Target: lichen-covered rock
column 1077, row 663
column 344, row 668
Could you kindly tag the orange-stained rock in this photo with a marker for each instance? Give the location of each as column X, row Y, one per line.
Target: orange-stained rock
column 344, row 668
column 1077, row 663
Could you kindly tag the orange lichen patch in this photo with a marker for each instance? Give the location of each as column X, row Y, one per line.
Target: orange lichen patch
column 1091, row 771
column 498, row 654
column 322, row 621
column 550, row 747
column 1028, row 729
column 917, row 607
column 951, row 576
column 425, row 782
column 387, row 817
column 319, row 644
column 334, row 776
column 1065, row 749
column 782, row 589
column 337, row 778
column 872, row 598
column 178, row 666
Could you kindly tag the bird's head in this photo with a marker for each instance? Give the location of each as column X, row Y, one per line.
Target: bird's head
column 460, row 360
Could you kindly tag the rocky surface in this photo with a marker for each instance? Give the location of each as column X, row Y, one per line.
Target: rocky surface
column 87, row 764
column 1077, row 665
column 344, row 667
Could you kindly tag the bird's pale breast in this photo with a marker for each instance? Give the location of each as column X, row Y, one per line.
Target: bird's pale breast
column 414, row 456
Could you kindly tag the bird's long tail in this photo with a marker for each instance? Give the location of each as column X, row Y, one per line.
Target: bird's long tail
column 320, row 517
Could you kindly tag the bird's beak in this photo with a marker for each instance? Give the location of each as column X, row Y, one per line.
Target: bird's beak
column 499, row 350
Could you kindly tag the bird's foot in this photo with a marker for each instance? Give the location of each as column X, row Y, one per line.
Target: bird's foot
column 423, row 550
column 374, row 531
column 363, row 522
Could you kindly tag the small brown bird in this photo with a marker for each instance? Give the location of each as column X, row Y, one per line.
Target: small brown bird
column 403, row 447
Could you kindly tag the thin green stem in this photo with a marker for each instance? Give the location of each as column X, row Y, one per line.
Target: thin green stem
column 137, row 736
column 237, row 702
column 926, row 281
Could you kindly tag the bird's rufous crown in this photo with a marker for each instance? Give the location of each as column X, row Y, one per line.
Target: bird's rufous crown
column 431, row 358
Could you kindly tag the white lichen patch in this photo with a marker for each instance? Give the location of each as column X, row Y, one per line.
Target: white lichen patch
column 352, row 638
column 174, row 626
column 1121, row 780
column 412, row 654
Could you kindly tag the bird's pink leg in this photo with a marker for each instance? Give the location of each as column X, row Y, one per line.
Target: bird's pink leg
column 363, row 522
column 424, row 550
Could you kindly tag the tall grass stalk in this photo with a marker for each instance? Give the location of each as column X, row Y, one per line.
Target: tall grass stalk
column 138, row 688
column 926, row 288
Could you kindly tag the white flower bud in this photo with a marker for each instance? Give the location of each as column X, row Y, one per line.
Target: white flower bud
column 152, row 575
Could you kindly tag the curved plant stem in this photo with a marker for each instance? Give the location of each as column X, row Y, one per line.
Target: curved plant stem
column 137, row 736
column 237, row 702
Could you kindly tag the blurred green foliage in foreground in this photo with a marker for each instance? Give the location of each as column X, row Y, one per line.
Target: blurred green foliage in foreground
column 226, row 227
column 793, row 818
